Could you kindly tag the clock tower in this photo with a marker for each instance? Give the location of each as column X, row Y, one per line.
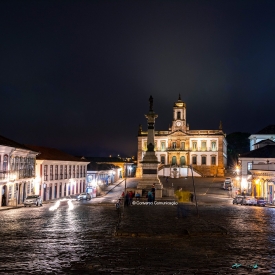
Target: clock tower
column 179, row 116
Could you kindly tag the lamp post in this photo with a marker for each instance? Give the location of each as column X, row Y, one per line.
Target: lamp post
column 194, row 190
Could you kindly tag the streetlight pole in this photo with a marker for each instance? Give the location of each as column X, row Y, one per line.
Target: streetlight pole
column 194, row 191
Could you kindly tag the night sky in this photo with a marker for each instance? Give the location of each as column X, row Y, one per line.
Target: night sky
column 77, row 75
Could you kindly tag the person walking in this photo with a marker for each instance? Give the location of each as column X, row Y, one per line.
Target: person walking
column 153, row 190
column 150, row 196
column 127, row 199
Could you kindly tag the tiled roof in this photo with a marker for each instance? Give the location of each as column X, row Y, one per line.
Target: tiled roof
column 105, row 159
column 267, row 151
column 10, row 143
column 93, row 166
column 53, row 154
column 270, row 129
column 265, row 141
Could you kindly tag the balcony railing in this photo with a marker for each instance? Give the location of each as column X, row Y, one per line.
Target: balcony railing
column 18, row 174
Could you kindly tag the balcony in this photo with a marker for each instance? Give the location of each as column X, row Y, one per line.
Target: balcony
column 264, row 167
column 14, row 175
column 177, row 149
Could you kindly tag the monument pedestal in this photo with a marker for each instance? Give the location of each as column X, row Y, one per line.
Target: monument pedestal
column 150, row 175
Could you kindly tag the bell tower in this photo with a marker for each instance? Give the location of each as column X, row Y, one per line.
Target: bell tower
column 179, row 116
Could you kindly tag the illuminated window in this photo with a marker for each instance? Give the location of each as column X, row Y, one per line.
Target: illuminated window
column 65, row 171
column 182, row 161
column 163, row 146
column 145, row 146
column 28, row 188
column 203, row 145
column 5, row 163
column 194, row 146
column 182, row 145
column 45, row 172
column 174, row 160
column 174, row 145
column 10, row 191
column 249, row 166
column 70, row 171
column 56, row 172
column 61, row 172
column 213, row 160
column 214, row 146
column 51, row 172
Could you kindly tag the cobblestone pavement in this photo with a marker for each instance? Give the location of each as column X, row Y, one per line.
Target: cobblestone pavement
column 148, row 240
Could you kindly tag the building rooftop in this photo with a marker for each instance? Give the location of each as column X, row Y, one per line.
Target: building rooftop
column 53, row 154
column 107, row 159
column 270, row 129
column 271, row 142
column 10, row 143
column 266, row 152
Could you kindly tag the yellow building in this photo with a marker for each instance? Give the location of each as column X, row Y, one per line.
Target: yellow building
column 178, row 147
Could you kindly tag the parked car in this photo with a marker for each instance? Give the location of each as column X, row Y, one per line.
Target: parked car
column 84, row 196
column 261, row 201
column 238, row 199
column 33, row 200
column 248, row 200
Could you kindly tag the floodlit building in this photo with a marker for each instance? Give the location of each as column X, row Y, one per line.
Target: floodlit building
column 17, row 172
column 178, row 147
column 267, row 133
column 58, row 174
column 100, row 175
column 257, row 176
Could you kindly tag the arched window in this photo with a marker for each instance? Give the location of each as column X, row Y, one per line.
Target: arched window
column 182, row 161
column 178, row 115
column 5, row 163
column 174, row 160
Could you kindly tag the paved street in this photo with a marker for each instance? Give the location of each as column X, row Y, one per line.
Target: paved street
column 149, row 240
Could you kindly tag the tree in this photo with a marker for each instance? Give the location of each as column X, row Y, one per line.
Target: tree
column 237, row 143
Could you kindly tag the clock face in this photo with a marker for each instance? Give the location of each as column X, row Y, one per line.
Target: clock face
column 178, row 123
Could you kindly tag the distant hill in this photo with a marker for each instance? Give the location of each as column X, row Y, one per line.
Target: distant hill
column 238, row 143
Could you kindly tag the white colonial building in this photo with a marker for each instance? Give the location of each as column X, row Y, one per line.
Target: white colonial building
column 58, row 174
column 267, row 133
column 257, row 175
column 17, row 172
column 178, row 147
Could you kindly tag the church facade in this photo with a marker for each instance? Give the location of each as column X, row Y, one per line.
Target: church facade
column 205, row 150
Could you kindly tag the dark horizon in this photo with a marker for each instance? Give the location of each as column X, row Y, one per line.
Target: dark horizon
column 77, row 75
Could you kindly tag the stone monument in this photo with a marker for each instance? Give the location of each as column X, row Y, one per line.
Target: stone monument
column 150, row 162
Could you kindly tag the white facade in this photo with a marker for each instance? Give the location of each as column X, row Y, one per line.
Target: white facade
column 255, row 138
column 17, row 174
column 56, row 179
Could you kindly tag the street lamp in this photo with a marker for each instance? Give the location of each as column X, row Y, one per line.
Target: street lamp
column 195, row 197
